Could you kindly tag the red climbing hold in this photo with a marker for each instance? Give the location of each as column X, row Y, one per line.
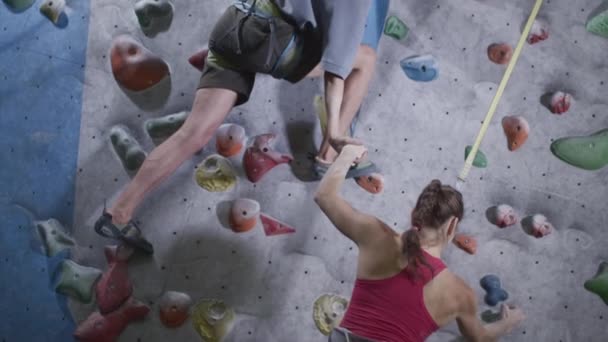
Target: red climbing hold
column 260, row 157
column 198, row 59
column 502, row 215
column 560, row 102
column 540, row 226
column 244, row 215
column 516, row 129
column 173, row 308
column 539, row 31
column 114, row 287
column 107, row 328
column 500, row 53
column 135, row 67
column 466, row 242
column 373, row 183
column 273, row 226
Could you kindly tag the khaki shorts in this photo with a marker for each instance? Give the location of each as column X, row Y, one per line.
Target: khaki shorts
column 236, row 53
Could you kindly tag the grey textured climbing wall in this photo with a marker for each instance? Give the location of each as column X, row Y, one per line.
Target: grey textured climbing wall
column 415, row 132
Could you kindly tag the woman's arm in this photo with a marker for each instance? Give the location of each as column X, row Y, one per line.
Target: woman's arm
column 355, row 225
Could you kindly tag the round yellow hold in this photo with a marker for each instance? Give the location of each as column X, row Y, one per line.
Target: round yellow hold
column 215, row 174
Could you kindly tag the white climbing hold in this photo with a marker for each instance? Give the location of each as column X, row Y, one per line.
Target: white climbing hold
column 52, row 9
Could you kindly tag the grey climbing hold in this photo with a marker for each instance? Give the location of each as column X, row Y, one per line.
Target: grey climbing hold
column 154, row 16
column 52, row 9
column 162, row 128
column 19, row 5
column 53, row 236
column 77, row 281
column 128, row 150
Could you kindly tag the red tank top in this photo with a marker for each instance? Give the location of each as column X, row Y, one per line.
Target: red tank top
column 392, row 309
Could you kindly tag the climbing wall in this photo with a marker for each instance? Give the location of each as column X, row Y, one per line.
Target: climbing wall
column 415, row 132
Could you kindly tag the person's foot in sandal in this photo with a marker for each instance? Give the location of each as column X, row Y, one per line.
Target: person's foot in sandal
column 128, row 233
column 365, row 173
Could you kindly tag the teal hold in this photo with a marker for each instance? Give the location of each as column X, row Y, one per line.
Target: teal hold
column 588, row 153
column 480, row 158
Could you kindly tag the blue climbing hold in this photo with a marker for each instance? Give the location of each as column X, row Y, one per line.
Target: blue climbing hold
column 494, row 292
column 420, row 68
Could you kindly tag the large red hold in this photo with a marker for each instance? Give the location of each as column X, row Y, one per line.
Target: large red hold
column 135, row 67
column 107, row 328
column 272, row 226
column 261, row 157
column 114, row 287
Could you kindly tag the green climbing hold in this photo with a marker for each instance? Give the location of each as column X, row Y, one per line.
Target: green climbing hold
column 77, row 281
column 599, row 24
column 589, row 153
column 19, row 5
column 129, row 151
column 395, row 28
column 163, row 127
column 480, row 158
column 53, row 236
column 599, row 283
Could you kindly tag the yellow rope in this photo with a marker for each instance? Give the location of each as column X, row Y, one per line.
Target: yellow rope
column 501, row 88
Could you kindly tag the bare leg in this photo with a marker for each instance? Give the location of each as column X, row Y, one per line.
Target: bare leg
column 208, row 111
column 355, row 88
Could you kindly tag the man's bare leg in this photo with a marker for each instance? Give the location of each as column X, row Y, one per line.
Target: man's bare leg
column 355, row 89
column 208, row 112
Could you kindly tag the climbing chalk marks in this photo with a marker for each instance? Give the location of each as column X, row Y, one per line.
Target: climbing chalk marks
column 599, row 283
column 420, row 68
column 587, row 153
column 395, row 28
column 328, row 311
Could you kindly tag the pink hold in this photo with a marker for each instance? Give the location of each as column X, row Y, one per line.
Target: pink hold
column 261, row 157
column 541, row 226
column 273, row 226
column 539, row 31
column 560, row 102
column 107, row 328
column 198, row 59
column 504, row 216
column 114, row 287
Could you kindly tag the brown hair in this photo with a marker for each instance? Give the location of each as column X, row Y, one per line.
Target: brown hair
column 435, row 205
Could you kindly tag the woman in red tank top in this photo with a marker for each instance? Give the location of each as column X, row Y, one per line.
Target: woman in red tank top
column 403, row 291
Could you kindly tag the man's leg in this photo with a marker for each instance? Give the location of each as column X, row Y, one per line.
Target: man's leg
column 208, row 111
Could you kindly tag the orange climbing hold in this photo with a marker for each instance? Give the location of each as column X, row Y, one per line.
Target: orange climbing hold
column 466, row 242
column 244, row 215
column 135, row 67
column 198, row 59
column 174, row 308
column 230, row 139
column 373, row 183
column 500, row 53
column 516, row 129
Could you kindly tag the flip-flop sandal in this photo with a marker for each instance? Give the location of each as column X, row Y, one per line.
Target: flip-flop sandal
column 129, row 233
column 366, row 174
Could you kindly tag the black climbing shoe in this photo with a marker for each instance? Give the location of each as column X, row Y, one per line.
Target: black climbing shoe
column 129, row 233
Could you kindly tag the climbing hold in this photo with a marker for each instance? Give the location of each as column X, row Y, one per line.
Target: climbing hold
column 537, row 225
column 466, row 242
column 174, row 308
column 52, row 9
column 77, row 281
column 588, row 153
column 395, row 28
column 212, row 319
column 162, row 128
column 272, row 226
column 599, row 283
column 328, row 311
column 128, row 150
column 372, row 183
column 261, row 157
column 494, row 292
column 215, row 173
column 502, row 215
column 135, row 67
column 480, row 158
column 105, row 328
column 539, row 31
column 154, row 16
column 599, row 24
column 560, row 102
column 198, row 59
column 489, row 316
column 19, row 5
column 500, row 53
column 420, row 68
column 244, row 215
column 516, row 129
column 114, row 287
column 53, row 236
column 230, row 139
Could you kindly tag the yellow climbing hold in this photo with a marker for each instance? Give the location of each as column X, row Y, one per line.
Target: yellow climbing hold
column 328, row 312
column 215, row 174
column 212, row 319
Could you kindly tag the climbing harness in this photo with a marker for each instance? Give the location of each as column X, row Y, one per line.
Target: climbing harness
column 501, row 88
